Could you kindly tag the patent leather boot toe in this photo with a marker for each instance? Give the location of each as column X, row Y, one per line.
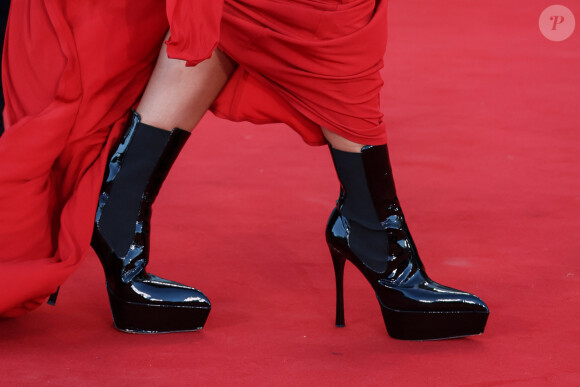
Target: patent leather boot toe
column 368, row 228
column 141, row 302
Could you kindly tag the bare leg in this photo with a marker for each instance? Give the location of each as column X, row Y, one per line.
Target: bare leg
column 341, row 143
column 178, row 96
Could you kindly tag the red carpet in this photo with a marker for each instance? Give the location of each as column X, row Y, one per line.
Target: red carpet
column 484, row 131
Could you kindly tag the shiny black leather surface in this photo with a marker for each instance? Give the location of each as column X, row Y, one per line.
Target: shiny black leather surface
column 125, row 272
column 402, row 284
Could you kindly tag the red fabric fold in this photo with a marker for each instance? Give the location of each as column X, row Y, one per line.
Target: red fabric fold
column 317, row 59
column 195, row 27
column 65, row 74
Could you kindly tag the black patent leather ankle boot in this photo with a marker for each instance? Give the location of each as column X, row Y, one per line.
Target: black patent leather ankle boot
column 141, row 302
column 368, row 228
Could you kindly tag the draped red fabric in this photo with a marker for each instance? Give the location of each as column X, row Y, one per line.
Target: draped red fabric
column 195, row 27
column 72, row 69
column 310, row 58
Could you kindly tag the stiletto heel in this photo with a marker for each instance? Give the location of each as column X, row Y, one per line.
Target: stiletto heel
column 368, row 228
column 141, row 302
column 338, row 262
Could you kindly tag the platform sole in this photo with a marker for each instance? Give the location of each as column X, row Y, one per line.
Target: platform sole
column 405, row 325
column 152, row 318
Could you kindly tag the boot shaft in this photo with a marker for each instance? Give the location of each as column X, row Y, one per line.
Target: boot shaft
column 374, row 224
column 368, row 195
column 136, row 170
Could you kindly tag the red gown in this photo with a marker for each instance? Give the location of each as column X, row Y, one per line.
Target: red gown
column 73, row 68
